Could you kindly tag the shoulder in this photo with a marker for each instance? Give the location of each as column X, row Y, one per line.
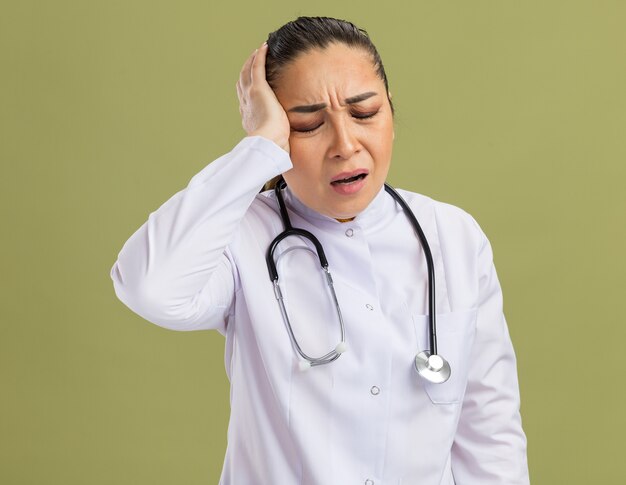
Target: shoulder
column 452, row 222
column 265, row 204
column 262, row 215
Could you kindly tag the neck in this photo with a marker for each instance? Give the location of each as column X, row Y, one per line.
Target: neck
column 345, row 220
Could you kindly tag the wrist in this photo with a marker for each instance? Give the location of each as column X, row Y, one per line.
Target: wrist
column 281, row 142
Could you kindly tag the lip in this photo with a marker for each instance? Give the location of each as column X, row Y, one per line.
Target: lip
column 352, row 188
column 345, row 175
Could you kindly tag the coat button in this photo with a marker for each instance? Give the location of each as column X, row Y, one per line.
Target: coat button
column 349, row 232
column 369, row 482
column 375, row 390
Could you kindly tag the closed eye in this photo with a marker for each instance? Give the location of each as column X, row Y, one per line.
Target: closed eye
column 358, row 116
column 308, row 130
column 363, row 116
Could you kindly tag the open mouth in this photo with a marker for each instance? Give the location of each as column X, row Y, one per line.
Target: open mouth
column 349, row 180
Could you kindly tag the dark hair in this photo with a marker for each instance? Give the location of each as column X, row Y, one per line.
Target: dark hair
column 306, row 33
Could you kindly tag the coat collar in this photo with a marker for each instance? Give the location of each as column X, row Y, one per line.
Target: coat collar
column 377, row 217
column 372, row 215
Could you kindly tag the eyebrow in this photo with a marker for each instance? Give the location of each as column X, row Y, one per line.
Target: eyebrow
column 312, row 108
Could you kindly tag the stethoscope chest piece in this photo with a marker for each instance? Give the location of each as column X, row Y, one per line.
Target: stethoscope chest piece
column 433, row 368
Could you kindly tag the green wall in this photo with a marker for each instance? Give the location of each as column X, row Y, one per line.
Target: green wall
column 515, row 111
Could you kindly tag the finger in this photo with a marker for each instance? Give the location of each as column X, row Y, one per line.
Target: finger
column 258, row 65
column 244, row 75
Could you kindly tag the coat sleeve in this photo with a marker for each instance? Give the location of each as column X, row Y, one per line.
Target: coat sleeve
column 490, row 446
column 176, row 270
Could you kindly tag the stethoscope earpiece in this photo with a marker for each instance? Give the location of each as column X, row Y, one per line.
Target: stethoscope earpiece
column 433, row 368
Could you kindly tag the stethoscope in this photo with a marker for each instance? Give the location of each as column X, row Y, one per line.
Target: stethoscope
column 430, row 365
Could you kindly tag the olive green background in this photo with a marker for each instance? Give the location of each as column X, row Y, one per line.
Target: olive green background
column 515, row 111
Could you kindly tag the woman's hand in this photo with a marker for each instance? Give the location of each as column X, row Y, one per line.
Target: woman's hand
column 261, row 113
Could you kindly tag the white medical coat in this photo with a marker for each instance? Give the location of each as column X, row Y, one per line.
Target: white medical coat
column 367, row 418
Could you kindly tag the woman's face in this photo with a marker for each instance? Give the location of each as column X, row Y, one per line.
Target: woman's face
column 341, row 129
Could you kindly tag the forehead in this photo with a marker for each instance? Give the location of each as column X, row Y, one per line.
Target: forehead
column 336, row 70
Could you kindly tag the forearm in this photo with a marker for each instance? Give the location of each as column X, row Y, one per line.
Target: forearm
column 164, row 270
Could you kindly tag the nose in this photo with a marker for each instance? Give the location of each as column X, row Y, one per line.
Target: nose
column 345, row 143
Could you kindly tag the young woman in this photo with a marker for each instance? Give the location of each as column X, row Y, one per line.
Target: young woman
column 335, row 379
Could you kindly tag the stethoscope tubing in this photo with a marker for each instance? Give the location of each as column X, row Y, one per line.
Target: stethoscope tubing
column 289, row 230
column 429, row 263
column 428, row 364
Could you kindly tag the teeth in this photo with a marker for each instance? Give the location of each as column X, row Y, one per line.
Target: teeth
column 349, row 179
